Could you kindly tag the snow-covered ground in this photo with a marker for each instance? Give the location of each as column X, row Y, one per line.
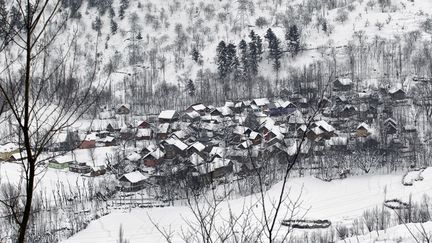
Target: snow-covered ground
column 338, row 201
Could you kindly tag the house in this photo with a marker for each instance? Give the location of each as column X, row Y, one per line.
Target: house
column 152, row 158
column 7, row 150
column 362, row 130
column 123, row 109
column 98, row 171
column 65, row 141
column 88, row 144
column 225, row 111
column 18, row 156
column 133, row 157
column 196, row 159
column 112, row 127
column 199, row 108
column 174, row 147
column 106, row 141
column 81, row 168
column 196, row 147
column 133, row 181
column 190, row 116
column 163, row 131
column 326, row 130
column 144, row 125
column 347, row 111
column 255, row 138
column 390, row 126
column 144, row 134
column 217, row 168
column 342, row 84
column 261, row 103
column 397, row 94
column 168, row 116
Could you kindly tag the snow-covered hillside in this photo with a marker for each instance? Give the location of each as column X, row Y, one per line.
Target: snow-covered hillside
column 153, row 40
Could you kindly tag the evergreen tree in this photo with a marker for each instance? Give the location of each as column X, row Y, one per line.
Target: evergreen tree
column 222, row 60
column 191, row 88
column 196, row 56
column 293, row 39
column 114, row 26
column 255, row 52
column 244, row 58
column 275, row 51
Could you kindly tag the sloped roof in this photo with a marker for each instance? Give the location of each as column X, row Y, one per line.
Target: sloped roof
column 167, row 114
column 144, row 132
column 134, row 177
column 198, row 146
column 176, row 142
column 261, row 101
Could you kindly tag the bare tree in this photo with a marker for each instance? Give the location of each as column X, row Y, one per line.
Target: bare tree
column 42, row 96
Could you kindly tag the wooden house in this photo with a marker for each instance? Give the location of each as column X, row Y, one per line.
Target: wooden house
column 397, row 94
column 342, row 84
column 362, row 130
column 168, row 116
column 199, row 108
column 133, row 181
column 152, row 158
column 163, row 131
column 7, row 150
column 81, row 168
column 144, row 125
column 88, row 144
column 144, row 134
column 123, row 110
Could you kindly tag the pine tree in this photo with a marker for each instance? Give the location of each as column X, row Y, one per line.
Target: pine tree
column 114, row 26
column 191, row 88
column 255, row 52
column 244, row 58
column 231, row 58
column 221, row 60
column 196, row 56
column 293, row 39
column 275, row 51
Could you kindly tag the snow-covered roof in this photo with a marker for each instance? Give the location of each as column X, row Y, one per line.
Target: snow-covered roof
column 215, row 164
column 157, row 154
column 176, row 142
column 134, row 156
column 167, row 114
column 8, row 147
column 364, row 125
column 163, row 128
column 199, row 107
column 261, row 101
column 225, row 110
column 192, row 114
column 246, row 144
column 143, row 132
column 196, row 159
column 345, row 81
column 134, row 177
column 253, row 135
column 218, row 151
column 198, row 146
column 324, row 125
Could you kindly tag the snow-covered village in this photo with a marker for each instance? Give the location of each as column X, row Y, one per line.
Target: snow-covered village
column 201, row 121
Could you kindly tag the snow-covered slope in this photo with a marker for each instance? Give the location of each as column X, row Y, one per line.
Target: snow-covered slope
column 338, row 201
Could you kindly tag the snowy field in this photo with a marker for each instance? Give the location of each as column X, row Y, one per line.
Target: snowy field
column 338, row 201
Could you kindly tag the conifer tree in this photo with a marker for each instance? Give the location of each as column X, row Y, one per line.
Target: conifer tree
column 221, row 60
column 293, row 39
column 244, row 58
